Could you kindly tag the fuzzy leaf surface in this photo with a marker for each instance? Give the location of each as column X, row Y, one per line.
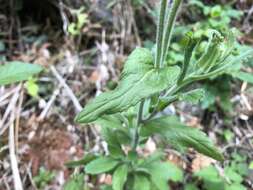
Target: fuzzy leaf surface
column 181, row 136
column 139, row 80
column 193, row 96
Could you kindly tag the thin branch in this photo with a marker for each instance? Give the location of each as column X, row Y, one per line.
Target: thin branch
column 10, row 107
column 43, row 114
column 6, row 183
column 7, row 94
column 138, row 123
column 13, row 158
column 67, row 88
column 19, row 108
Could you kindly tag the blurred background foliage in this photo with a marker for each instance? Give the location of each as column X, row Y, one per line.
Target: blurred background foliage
column 87, row 41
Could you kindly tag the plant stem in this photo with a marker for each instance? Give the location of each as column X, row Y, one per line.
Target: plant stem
column 187, row 58
column 138, row 125
column 140, row 112
column 169, row 28
column 160, row 32
column 170, row 92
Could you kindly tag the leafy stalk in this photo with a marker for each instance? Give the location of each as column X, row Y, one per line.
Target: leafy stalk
column 169, row 28
column 160, row 31
column 140, row 81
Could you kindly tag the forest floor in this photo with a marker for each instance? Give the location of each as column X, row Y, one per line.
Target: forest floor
column 80, row 63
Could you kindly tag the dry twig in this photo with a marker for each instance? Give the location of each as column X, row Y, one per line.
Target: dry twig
column 43, row 114
column 62, row 82
column 13, row 159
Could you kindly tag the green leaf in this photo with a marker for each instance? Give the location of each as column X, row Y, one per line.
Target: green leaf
column 110, row 121
column 17, row 71
column 43, row 178
column 181, row 136
column 153, row 158
column 232, row 175
column 72, row 29
column 162, row 172
column 82, row 19
column 109, row 136
column 190, row 187
column 116, row 151
column 32, row 87
column 175, row 174
column 190, row 45
column 218, row 58
column 235, row 186
column 247, row 77
column 101, row 165
column 86, row 159
column 119, row 177
column 210, row 97
column 193, row 96
column 111, row 127
column 211, row 178
column 232, row 62
column 220, row 87
column 212, row 53
column 141, row 182
column 106, row 187
column 75, row 183
column 159, row 175
column 228, row 134
column 216, row 11
column 216, row 183
column 209, row 172
column 139, row 80
column 251, row 165
column 114, row 131
column 124, row 136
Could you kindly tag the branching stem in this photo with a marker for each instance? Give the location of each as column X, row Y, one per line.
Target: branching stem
column 163, row 41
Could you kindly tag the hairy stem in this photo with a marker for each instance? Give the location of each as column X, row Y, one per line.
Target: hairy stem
column 187, row 58
column 138, row 125
column 160, row 32
column 158, row 108
column 169, row 28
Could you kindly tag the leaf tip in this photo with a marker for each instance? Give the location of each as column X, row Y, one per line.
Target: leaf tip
column 78, row 118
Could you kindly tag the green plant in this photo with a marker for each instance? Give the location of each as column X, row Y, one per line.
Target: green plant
column 148, row 84
column 76, row 183
column 202, row 17
column 16, row 71
column 32, row 87
column 218, row 87
column 232, row 178
column 43, row 178
column 217, row 16
column 75, row 28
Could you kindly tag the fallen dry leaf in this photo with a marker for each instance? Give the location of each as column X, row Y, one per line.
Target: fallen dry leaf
column 201, row 161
